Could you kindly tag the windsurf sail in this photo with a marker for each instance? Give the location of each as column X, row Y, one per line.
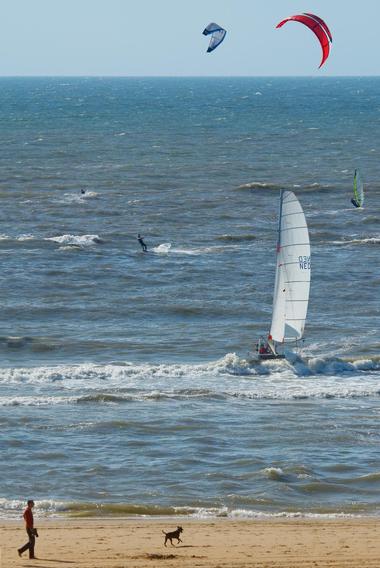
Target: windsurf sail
column 293, row 270
column 217, row 35
column 358, row 198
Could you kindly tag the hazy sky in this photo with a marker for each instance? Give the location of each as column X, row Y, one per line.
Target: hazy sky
column 164, row 37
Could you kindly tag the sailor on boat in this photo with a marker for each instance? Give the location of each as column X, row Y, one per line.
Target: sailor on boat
column 267, row 350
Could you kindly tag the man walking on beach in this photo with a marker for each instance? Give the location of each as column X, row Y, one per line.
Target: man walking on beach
column 32, row 533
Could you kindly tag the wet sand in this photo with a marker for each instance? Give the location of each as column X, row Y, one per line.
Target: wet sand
column 129, row 543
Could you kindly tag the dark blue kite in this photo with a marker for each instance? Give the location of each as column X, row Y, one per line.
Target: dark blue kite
column 217, row 35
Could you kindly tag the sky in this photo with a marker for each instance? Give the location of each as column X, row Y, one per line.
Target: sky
column 164, row 38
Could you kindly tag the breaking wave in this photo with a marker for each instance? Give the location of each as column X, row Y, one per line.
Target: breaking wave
column 259, row 185
column 76, row 240
column 228, row 378
column 359, row 241
column 19, row 238
column 12, row 509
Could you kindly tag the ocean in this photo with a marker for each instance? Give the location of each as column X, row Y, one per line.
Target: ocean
column 127, row 387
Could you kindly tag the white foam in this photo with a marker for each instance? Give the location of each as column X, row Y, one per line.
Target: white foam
column 25, row 237
column 78, row 240
column 22, row 237
column 359, row 241
column 203, row 250
column 36, row 400
column 79, row 197
column 164, row 248
column 49, row 508
column 13, row 508
column 229, row 376
column 274, row 473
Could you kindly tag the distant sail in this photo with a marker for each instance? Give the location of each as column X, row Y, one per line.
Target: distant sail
column 292, row 282
column 358, row 198
column 217, row 35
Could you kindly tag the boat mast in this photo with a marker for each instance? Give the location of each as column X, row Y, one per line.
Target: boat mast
column 278, row 249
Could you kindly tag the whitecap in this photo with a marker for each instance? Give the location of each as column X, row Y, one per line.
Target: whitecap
column 78, row 240
column 164, row 248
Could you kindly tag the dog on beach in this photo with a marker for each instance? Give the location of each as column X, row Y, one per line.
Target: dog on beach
column 173, row 534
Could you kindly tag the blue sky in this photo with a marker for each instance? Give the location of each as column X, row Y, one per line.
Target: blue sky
column 164, row 37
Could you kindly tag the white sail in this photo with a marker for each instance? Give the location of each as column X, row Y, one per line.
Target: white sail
column 292, row 282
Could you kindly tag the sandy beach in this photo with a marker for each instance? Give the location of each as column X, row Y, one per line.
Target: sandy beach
column 119, row 543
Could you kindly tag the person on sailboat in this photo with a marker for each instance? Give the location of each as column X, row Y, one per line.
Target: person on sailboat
column 265, row 349
column 354, row 202
column 141, row 241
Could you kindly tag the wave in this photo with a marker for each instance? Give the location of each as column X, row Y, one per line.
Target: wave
column 19, row 238
column 259, row 185
column 166, row 248
column 34, row 344
column 89, row 195
column 270, row 185
column 15, row 342
column 102, row 398
column 227, row 378
column 12, row 509
column 35, row 400
column 236, row 238
column 76, row 240
column 314, row 186
column 274, row 473
column 359, row 241
column 79, row 197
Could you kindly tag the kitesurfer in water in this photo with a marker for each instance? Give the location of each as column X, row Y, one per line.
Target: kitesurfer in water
column 141, row 241
column 83, row 191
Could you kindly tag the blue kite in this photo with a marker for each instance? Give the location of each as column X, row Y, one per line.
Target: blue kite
column 217, row 35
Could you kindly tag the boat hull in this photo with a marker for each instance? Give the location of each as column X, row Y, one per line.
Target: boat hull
column 265, row 356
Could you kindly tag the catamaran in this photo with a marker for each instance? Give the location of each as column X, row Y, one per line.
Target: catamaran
column 358, row 198
column 292, row 281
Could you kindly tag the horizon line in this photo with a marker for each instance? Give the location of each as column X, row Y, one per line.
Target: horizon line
column 115, row 76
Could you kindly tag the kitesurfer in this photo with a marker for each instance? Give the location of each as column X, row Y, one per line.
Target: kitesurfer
column 141, row 241
column 83, row 191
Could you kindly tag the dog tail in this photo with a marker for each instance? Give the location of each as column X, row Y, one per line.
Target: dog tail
column 164, row 532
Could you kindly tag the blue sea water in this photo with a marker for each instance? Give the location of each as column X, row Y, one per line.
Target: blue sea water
column 125, row 380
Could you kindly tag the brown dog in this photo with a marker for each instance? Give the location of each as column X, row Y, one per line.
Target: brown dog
column 173, row 534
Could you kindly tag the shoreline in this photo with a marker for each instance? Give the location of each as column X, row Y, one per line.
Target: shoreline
column 213, row 543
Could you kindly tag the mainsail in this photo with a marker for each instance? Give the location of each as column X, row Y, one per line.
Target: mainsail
column 358, row 199
column 292, row 282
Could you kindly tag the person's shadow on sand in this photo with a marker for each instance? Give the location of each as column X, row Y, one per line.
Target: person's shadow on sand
column 47, row 560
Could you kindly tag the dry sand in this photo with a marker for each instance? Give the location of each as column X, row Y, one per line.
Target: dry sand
column 120, row 543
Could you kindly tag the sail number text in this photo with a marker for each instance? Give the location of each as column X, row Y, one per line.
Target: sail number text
column 304, row 262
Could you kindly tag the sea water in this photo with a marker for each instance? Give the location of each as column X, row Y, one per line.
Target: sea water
column 125, row 383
